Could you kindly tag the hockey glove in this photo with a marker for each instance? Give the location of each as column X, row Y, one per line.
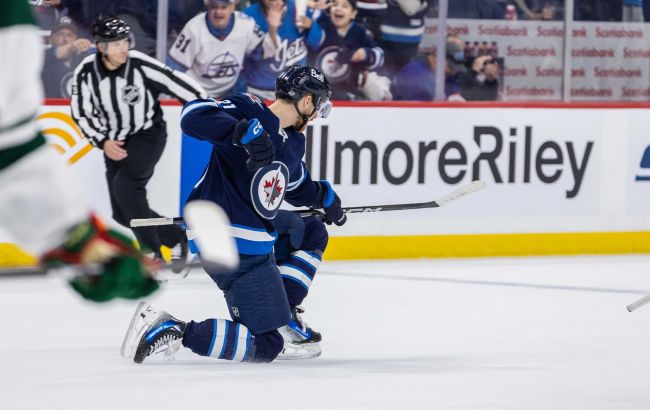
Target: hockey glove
column 331, row 204
column 109, row 265
column 250, row 135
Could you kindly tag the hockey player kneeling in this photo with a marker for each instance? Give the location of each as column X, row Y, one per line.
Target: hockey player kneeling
column 256, row 163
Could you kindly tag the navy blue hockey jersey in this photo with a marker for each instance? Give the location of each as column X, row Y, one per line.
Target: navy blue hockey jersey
column 251, row 200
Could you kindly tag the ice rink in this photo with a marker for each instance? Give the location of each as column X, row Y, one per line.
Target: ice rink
column 529, row 333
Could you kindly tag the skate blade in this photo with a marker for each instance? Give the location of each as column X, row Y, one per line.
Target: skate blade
column 301, row 352
column 134, row 333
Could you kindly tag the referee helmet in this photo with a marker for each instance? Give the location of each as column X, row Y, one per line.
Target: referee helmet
column 110, row 28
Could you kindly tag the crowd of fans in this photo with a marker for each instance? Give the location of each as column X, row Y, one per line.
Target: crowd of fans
column 369, row 49
column 584, row 10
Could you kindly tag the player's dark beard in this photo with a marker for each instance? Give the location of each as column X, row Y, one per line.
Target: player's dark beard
column 301, row 124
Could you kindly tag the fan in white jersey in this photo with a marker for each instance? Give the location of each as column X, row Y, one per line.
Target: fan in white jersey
column 213, row 46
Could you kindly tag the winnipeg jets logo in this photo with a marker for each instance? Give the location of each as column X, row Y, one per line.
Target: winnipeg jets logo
column 289, row 54
column 334, row 63
column 268, row 189
column 273, row 190
column 222, row 66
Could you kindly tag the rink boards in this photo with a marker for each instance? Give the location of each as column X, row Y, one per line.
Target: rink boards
column 561, row 179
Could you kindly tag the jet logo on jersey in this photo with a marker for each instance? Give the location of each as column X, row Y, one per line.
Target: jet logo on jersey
column 223, row 65
column 333, row 62
column 289, row 54
column 273, row 190
column 268, row 189
column 131, row 94
column 644, row 175
column 66, row 85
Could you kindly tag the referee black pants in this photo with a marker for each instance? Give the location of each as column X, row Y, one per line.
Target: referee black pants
column 127, row 186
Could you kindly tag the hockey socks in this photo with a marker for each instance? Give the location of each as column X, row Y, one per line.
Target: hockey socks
column 298, row 272
column 218, row 338
column 228, row 340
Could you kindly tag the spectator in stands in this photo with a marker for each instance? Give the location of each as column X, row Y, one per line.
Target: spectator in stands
column 476, row 9
column 540, row 9
column 598, row 10
column 481, row 81
column 46, row 15
column 633, row 10
column 213, row 45
column 349, row 56
column 139, row 14
column 62, row 58
column 416, row 80
column 369, row 13
column 402, row 27
column 291, row 33
column 180, row 12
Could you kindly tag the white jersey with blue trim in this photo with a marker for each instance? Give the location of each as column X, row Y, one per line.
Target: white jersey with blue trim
column 251, row 199
column 215, row 63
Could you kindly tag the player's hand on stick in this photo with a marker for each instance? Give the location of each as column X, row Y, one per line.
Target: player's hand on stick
column 331, row 204
column 111, row 267
column 250, row 135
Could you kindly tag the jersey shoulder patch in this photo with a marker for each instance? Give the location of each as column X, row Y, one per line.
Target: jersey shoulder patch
column 255, row 99
column 248, row 102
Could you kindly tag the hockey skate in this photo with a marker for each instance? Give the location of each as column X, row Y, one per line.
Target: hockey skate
column 152, row 331
column 300, row 341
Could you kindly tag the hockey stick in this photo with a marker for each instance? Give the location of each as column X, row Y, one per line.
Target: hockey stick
column 639, row 303
column 206, row 220
column 470, row 188
column 454, row 195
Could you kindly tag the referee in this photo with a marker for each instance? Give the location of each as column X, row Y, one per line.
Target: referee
column 115, row 103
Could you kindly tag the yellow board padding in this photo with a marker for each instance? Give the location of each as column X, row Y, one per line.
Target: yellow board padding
column 12, row 255
column 448, row 246
column 492, row 245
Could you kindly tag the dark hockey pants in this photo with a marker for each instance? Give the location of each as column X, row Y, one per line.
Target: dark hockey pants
column 127, row 187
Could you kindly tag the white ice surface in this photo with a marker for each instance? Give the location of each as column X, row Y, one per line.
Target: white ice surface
column 533, row 333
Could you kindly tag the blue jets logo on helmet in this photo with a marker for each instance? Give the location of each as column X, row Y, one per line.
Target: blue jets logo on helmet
column 268, row 188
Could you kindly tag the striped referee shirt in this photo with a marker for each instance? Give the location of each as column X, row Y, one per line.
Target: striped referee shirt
column 116, row 104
